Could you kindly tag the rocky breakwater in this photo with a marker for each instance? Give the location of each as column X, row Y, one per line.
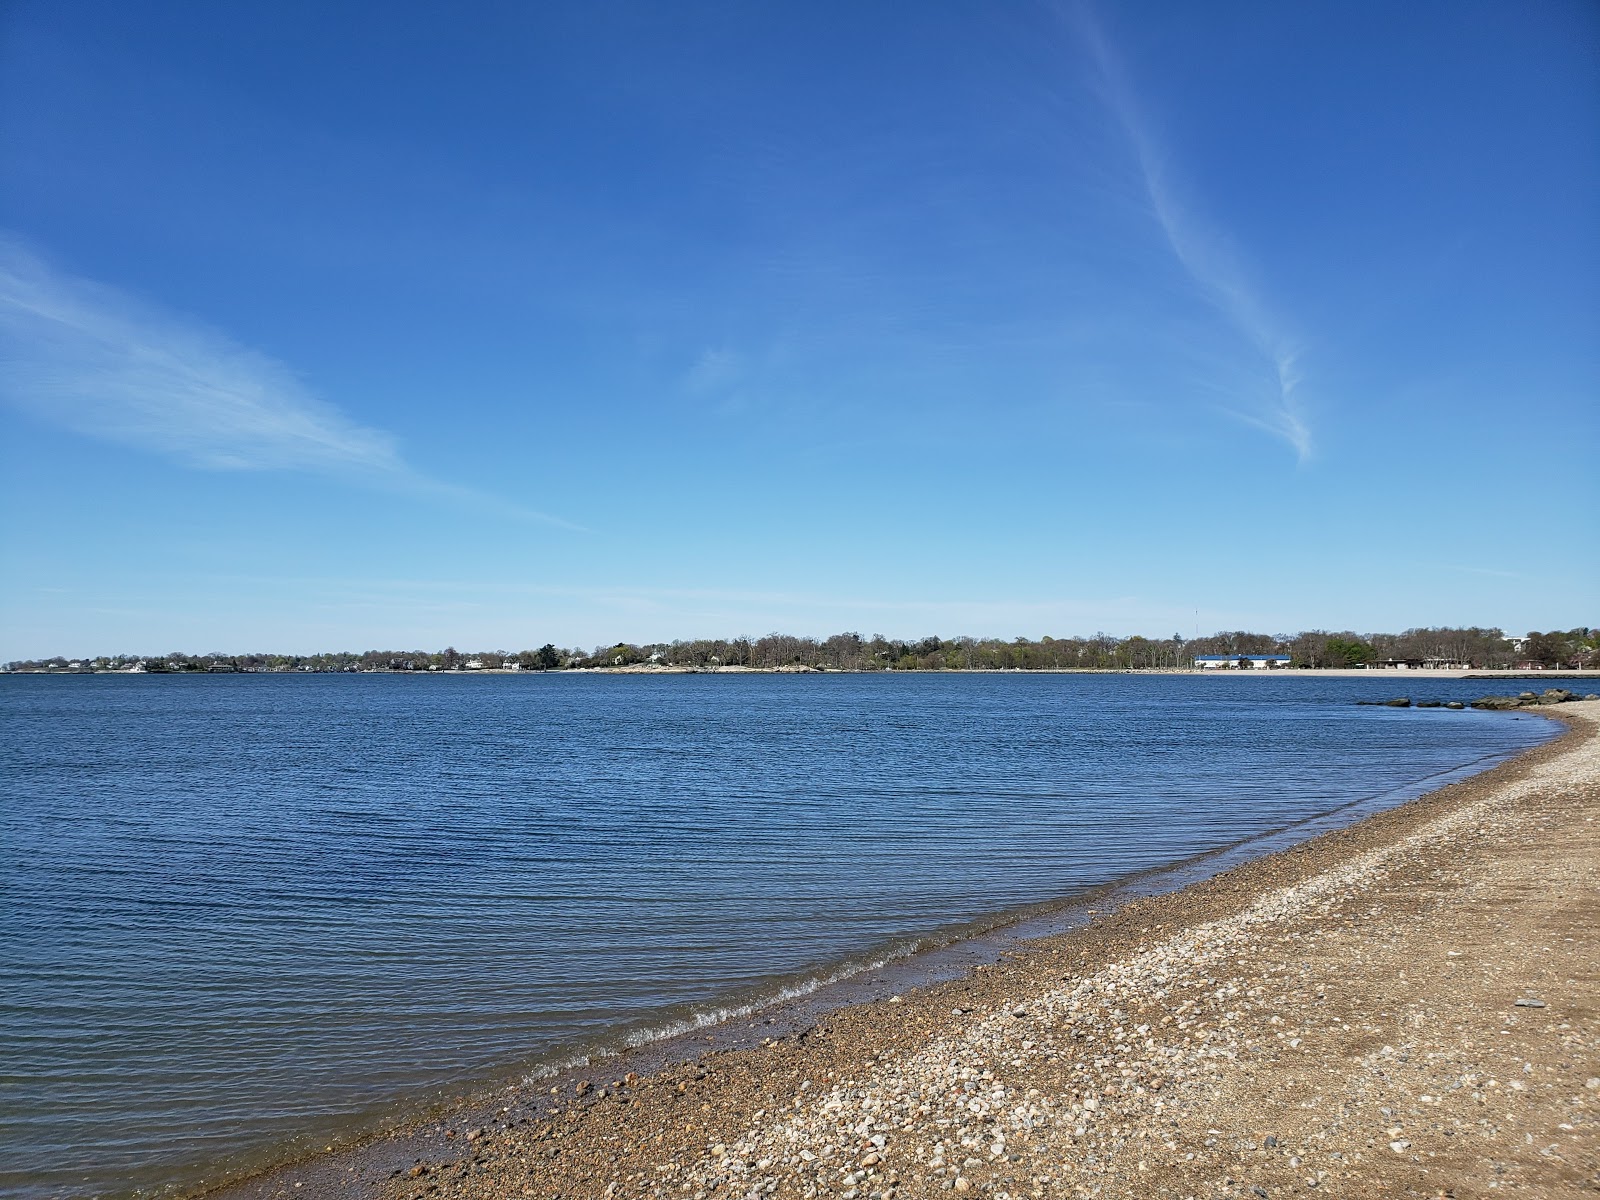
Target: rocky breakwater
column 1531, row 699
column 1521, row 700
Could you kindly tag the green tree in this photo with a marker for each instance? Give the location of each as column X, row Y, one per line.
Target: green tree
column 1346, row 652
column 1546, row 649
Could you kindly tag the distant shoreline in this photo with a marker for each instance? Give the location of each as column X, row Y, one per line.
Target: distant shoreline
column 1435, row 649
column 1419, row 673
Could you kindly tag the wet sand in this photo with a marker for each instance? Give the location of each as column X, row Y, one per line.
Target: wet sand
column 1341, row 1018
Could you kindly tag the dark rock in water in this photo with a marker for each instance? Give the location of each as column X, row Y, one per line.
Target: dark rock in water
column 1369, row 701
column 1556, row 696
column 1526, row 696
column 1428, row 704
column 1497, row 703
column 1398, row 702
column 1456, row 704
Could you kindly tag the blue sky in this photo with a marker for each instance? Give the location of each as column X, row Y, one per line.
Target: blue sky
column 332, row 326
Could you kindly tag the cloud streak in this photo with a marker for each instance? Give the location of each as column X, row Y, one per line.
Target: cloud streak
column 94, row 360
column 1204, row 257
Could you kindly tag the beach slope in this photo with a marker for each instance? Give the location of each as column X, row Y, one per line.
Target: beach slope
column 1404, row 1008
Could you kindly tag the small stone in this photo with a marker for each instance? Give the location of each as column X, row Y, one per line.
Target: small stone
column 1400, row 1145
column 961, row 1184
column 1529, row 1002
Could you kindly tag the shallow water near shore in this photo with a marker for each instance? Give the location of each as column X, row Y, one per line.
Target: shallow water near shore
column 244, row 914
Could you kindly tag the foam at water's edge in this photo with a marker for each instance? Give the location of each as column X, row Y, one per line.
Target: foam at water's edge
column 708, row 1018
column 721, row 1014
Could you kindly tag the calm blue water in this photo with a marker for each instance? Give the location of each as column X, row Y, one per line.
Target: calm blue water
column 241, row 913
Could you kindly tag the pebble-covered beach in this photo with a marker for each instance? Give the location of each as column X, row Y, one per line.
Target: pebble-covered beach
column 1404, row 1008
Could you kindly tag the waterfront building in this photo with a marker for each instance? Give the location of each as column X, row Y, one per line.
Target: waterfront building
column 1241, row 662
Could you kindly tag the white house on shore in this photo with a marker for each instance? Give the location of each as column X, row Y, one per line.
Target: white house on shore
column 1240, row 662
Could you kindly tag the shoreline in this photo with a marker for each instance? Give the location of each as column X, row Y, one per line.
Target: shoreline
column 1280, row 673
column 1419, row 674
column 520, row 1125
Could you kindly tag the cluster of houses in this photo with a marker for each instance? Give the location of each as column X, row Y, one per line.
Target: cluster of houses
column 1274, row 662
column 1420, row 664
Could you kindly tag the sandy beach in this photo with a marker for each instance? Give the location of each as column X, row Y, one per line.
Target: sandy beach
column 1407, row 1007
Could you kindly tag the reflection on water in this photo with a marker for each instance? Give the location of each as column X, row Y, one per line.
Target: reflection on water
column 241, row 910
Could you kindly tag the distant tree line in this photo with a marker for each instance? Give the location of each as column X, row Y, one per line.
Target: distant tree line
column 1316, row 649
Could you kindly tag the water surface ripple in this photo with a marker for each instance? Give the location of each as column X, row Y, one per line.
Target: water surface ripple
column 244, row 913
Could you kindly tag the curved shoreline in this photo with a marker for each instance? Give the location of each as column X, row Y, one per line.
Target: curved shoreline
column 693, row 1057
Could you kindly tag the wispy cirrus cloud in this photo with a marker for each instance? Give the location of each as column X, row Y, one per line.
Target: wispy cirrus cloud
column 1274, row 406
column 100, row 362
column 715, row 370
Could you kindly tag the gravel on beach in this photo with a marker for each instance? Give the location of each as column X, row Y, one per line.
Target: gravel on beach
column 1404, row 1008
